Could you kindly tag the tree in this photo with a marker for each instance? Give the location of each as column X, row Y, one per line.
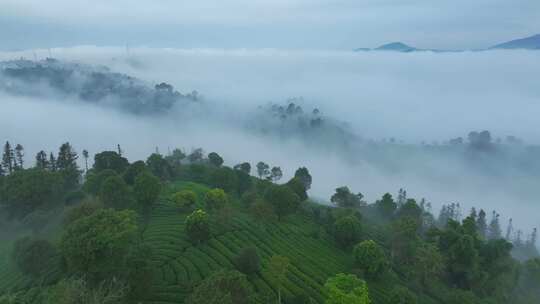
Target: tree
column 8, row 158
column 481, row 224
column 27, row 190
column 345, row 199
column 216, row 199
column 370, row 258
column 223, row 287
column 110, row 160
column 97, row 245
column 348, row 230
column 19, row 156
column 463, row 261
column 262, row 170
column 175, row 158
column 197, row 227
column 386, row 206
column 94, row 181
column 147, row 188
column 244, row 167
column 494, row 229
column 115, row 193
column 85, row 155
column 276, row 174
column 159, row 166
column 404, row 240
column 402, row 295
column 411, row 210
column 196, row 156
column 66, row 164
column 52, row 162
column 86, row 208
column 41, row 160
column 298, row 187
column 184, row 199
column 303, row 175
column 346, row 289
column 224, row 178
column 428, row 263
column 248, row 261
column 133, row 170
column 283, row 199
column 278, row 266
column 32, row 256
column 215, row 159
column 262, row 211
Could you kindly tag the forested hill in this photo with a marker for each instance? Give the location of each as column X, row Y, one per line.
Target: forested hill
column 97, row 85
column 185, row 228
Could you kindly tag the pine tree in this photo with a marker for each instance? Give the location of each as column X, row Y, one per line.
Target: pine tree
column 509, row 230
column 494, row 227
column 532, row 240
column 120, row 150
column 85, row 155
column 2, row 172
column 52, row 163
column 67, row 158
column 481, row 223
column 518, row 241
column 8, row 158
column 473, row 214
column 41, row 160
column 19, row 156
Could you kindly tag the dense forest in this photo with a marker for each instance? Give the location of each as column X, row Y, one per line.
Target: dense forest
column 185, row 228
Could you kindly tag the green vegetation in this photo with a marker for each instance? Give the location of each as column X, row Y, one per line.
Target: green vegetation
column 187, row 229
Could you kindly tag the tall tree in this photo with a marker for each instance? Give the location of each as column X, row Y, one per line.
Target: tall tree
column 66, row 164
column 19, row 156
column 8, row 158
column 494, row 227
column 52, row 162
column 304, row 176
column 276, row 174
column 481, row 223
column 262, row 169
column 85, row 155
column 41, row 160
column 215, row 159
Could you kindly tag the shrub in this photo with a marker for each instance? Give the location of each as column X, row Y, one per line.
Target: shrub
column 370, row 258
column 346, row 288
column 197, row 227
column 347, row 230
column 184, row 198
column 32, row 256
column 216, row 199
column 248, row 261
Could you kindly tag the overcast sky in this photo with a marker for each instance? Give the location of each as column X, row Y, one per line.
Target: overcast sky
column 320, row 24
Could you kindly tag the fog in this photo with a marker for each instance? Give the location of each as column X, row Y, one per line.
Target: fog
column 413, row 97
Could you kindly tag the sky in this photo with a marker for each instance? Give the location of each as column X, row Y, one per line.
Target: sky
column 286, row 24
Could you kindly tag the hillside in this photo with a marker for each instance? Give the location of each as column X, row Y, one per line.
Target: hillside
column 184, row 228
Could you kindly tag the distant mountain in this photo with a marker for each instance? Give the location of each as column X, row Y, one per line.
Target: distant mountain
column 396, row 46
column 530, row 43
column 393, row 46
